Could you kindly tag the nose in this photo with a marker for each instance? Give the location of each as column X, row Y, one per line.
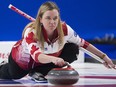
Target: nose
column 52, row 21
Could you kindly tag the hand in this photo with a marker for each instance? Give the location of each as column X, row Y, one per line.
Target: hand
column 58, row 61
column 108, row 63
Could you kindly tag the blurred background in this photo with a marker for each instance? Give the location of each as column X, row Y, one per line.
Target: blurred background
column 93, row 20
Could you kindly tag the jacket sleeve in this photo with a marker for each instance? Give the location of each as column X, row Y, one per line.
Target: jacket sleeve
column 73, row 37
column 32, row 44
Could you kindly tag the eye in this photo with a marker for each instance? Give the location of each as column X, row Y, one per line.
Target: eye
column 55, row 18
column 48, row 18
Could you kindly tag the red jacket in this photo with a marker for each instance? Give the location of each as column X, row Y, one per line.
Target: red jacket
column 26, row 51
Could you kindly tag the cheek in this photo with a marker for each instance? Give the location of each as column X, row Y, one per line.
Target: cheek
column 57, row 22
column 45, row 23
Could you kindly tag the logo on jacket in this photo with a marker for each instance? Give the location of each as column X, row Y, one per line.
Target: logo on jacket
column 45, row 49
column 75, row 34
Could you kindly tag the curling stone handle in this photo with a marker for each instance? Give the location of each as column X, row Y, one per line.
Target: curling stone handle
column 68, row 65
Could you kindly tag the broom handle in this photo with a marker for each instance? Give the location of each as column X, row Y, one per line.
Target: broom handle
column 92, row 55
column 21, row 12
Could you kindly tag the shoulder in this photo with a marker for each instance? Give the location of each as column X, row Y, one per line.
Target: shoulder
column 29, row 31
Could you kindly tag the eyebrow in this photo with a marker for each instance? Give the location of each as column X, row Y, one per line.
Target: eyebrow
column 54, row 16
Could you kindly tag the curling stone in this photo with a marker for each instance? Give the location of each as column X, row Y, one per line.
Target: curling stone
column 63, row 76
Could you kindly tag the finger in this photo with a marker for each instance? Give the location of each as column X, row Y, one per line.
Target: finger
column 106, row 65
column 58, row 62
column 114, row 67
column 61, row 63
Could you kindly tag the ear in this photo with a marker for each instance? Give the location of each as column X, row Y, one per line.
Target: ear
column 40, row 19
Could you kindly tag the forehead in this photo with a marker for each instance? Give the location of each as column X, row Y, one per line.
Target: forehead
column 53, row 12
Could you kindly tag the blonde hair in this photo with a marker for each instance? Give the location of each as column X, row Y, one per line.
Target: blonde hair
column 38, row 27
column 27, row 26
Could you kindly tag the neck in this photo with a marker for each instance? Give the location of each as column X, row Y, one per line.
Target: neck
column 50, row 34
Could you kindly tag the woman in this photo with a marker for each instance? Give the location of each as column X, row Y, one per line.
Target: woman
column 46, row 43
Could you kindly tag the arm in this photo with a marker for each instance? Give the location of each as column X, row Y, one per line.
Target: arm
column 42, row 58
column 74, row 38
column 108, row 62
